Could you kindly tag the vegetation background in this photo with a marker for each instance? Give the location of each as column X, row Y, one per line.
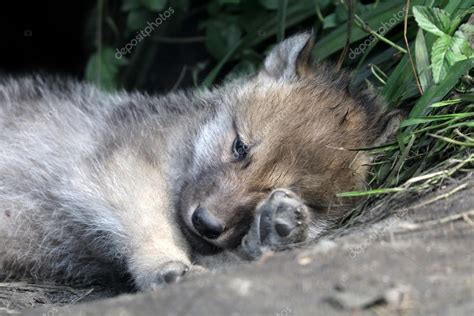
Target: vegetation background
column 417, row 53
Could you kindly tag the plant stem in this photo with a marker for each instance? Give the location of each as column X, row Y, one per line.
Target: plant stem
column 405, row 24
column 363, row 26
column 100, row 9
column 283, row 4
column 350, row 22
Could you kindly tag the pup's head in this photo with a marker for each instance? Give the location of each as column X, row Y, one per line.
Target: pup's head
column 294, row 125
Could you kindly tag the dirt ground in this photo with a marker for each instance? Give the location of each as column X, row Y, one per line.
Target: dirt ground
column 417, row 261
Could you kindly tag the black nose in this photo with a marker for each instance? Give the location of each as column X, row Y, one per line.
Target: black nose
column 206, row 223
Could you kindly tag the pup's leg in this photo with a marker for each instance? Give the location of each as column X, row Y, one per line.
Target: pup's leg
column 157, row 259
column 154, row 248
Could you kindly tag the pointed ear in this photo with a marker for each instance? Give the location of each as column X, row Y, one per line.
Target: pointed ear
column 290, row 59
column 389, row 126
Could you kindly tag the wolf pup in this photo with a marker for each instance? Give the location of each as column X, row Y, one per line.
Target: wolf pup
column 94, row 184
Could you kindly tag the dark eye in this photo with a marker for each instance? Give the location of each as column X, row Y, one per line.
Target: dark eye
column 239, row 149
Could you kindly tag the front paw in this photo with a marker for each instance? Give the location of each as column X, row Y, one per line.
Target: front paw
column 166, row 273
column 282, row 220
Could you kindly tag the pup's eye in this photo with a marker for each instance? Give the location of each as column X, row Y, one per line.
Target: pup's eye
column 239, row 149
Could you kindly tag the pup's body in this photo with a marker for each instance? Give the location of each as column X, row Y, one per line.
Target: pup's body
column 94, row 184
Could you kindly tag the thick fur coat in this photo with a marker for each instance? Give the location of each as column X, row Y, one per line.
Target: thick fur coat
column 96, row 185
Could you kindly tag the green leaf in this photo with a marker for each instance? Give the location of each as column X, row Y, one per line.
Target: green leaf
column 466, row 32
column 103, row 69
column 222, row 2
column 446, row 51
column 439, row 59
column 128, row 5
column 454, row 24
column 154, row 5
column 244, row 68
column 433, row 20
column 445, row 103
column 423, row 61
column 401, row 84
column 459, row 16
column 282, row 7
column 437, row 92
column 382, row 18
column 269, row 4
column 341, row 14
column 221, row 36
column 433, row 118
column 370, row 192
column 215, row 71
column 136, row 19
column 330, row 21
column 458, row 7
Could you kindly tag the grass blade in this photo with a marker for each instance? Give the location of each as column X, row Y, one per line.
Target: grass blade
column 423, row 61
column 437, row 92
column 375, row 18
column 282, row 5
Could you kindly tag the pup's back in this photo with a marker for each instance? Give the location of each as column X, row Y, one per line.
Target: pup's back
column 60, row 185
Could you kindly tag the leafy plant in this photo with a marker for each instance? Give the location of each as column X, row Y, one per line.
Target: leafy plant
column 418, row 54
column 452, row 44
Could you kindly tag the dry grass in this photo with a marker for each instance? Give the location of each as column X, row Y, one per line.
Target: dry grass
column 17, row 296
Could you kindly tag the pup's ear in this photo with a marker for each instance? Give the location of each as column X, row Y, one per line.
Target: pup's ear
column 290, row 59
column 388, row 127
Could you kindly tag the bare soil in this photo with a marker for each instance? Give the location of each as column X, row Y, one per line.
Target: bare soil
column 408, row 255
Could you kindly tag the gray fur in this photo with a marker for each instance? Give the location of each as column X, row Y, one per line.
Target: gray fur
column 96, row 186
column 57, row 137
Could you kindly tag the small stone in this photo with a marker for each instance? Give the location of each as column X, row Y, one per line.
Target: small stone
column 304, row 260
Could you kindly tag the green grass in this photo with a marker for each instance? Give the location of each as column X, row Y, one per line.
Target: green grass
column 421, row 62
column 436, row 140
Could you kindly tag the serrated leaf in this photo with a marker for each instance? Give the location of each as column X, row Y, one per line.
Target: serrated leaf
column 460, row 46
column 401, row 84
column 446, row 51
column 439, row 61
column 422, row 61
column 454, row 24
column 466, row 31
column 154, row 5
column 437, row 92
column 103, row 68
column 433, row 20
